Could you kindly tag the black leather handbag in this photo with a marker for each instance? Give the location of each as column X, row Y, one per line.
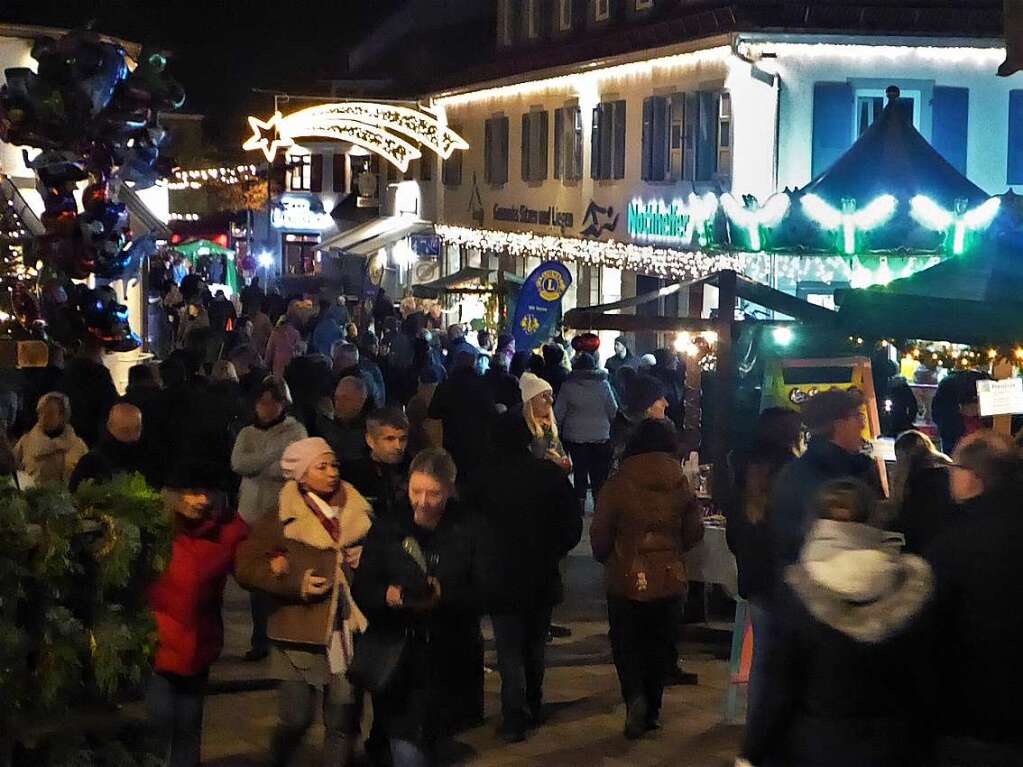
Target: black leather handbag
column 379, row 656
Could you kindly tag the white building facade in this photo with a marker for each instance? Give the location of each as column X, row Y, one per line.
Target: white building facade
column 588, row 152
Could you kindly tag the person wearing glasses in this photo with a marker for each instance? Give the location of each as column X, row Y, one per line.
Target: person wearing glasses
column 835, row 419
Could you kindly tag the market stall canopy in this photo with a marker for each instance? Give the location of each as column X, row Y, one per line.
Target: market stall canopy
column 606, row 316
column 974, row 298
column 366, row 239
column 195, row 248
column 470, row 279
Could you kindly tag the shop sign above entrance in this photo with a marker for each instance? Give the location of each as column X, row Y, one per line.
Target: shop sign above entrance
column 297, row 213
column 679, row 223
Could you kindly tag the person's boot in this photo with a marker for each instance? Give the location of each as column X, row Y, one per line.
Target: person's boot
column 677, row 677
column 512, row 728
column 636, row 718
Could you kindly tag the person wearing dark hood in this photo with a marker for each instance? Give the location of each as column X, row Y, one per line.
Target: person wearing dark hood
column 382, row 476
column 585, row 409
column 117, row 451
column 222, row 314
column 369, row 367
column 504, row 387
column 531, row 522
column 622, row 358
column 466, row 410
column 956, row 392
column 345, row 430
column 89, row 386
column 554, row 371
column 457, row 344
column 646, row 519
column 835, row 419
column 978, row 567
column 847, row 671
column 900, row 407
column 252, row 297
column 672, row 378
column 644, row 399
column 329, row 329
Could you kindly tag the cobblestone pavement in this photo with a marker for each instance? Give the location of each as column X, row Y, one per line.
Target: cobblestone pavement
column 581, row 690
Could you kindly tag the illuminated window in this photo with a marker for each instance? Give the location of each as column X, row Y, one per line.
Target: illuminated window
column 644, row 5
column 564, row 15
column 601, row 10
column 299, row 172
column 870, row 103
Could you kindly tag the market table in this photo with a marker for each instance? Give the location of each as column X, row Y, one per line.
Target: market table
column 710, row 561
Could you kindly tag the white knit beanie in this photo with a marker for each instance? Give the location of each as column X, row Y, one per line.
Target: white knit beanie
column 531, row 385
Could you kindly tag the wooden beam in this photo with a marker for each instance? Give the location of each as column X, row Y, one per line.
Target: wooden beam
column 726, row 383
column 632, row 323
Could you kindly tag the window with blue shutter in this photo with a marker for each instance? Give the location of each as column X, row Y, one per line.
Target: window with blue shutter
column 1015, row 160
column 607, row 141
column 950, row 117
column 832, row 124
column 707, row 136
column 495, row 150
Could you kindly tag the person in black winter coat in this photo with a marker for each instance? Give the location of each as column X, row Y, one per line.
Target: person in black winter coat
column 89, row 386
column 904, row 407
column 777, row 439
column 530, row 522
column 504, row 387
column 848, row 670
column 921, row 497
column 835, row 419
column 464, row 406
column 382, row 476
column 419, row 578
column 554, row 371
column 117, row 452
column 978, row 566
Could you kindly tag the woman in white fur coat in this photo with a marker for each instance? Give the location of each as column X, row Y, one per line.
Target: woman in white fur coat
column 51, row 450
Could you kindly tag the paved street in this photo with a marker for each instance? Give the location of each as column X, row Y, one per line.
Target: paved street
column 582, row 691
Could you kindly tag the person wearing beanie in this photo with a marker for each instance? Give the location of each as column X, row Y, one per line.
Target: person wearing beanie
column 622, row 358
column 186, row 604
column 256, row 459
column 538, row 411
column 644, row 398
column 584, row 410
column 303, row 557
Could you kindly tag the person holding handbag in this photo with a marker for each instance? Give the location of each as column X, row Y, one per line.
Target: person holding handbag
column 419, row 583
column 303, row 557
column 646, row 518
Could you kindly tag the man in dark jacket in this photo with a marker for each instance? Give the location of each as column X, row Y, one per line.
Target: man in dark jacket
column 117, row 452
column 382, row 476
column 978, row 568
column 457, row 344
column 836, row 420
column 530, row 521
column 346, row 431
column 89, row 386
column 466, row 410
column 553, row 371
column 504, row 387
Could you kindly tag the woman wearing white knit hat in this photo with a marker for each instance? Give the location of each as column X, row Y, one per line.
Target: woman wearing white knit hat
column 537, row 409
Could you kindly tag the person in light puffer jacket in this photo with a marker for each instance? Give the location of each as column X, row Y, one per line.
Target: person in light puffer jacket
column 51, row 450
column 585, row 408
column 847, row 674
column 256, row 457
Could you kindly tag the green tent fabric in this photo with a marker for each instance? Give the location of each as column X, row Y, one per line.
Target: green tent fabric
column 971, row 299
column 199, row 248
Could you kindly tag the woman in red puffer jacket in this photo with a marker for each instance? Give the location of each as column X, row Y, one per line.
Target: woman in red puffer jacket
column 186, row 603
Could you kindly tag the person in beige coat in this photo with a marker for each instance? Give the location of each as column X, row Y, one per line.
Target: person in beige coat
column 303, row 557
column 51, row 450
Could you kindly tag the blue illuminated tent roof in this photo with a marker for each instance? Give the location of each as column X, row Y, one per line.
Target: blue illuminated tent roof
column 891, row 157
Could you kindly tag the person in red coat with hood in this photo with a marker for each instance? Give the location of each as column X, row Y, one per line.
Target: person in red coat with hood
column 186, row 602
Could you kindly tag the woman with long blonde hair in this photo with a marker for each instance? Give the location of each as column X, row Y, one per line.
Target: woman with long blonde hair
column 538, row 411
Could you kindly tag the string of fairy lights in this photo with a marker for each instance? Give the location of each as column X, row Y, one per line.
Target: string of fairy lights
column 197, row 178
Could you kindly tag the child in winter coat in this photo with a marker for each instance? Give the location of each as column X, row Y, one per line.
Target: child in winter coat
column 186, row 603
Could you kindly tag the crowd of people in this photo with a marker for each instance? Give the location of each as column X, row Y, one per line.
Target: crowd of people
column 380, row 487
column 879, row 623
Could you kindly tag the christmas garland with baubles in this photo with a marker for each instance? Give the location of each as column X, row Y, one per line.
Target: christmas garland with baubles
column 94, row 115
column 75, row 631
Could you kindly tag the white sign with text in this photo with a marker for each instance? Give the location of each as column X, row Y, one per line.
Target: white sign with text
column 1000, row 397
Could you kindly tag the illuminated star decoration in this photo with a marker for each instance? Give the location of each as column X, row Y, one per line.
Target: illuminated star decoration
column 268, row 136
column 391, row 131
column 930, row 215
column 752, row 217
column 849, row 220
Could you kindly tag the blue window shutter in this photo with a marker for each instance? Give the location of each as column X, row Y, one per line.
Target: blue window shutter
column 832, row 124
column 950, row 110
column 648, row 139
column 707, row 136
column 1015, row 164
column 595, row 141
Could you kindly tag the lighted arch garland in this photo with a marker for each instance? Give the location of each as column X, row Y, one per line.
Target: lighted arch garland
column 369, row 125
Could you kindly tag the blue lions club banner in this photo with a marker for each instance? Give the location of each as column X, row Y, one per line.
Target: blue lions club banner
column 539, row 304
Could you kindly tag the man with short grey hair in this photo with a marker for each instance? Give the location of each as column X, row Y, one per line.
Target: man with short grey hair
column 345, row 431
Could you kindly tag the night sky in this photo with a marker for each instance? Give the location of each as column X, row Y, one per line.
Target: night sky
column 223, row 52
